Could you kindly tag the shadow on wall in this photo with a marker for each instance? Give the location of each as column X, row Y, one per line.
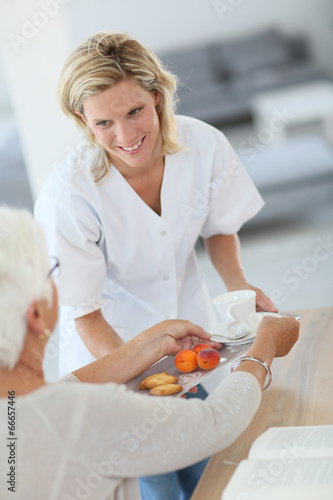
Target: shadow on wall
column 14, row 184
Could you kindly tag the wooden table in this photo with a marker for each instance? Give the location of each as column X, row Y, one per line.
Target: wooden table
column 301, row 393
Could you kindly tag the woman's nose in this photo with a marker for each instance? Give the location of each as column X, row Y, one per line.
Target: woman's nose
column 124, row 134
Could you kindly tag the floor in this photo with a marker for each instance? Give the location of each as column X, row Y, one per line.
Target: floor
column 291, row 261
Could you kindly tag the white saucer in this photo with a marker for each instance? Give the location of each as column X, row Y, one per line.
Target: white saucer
column 220, row 332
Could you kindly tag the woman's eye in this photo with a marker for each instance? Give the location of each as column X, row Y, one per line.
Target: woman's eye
column 103, row 124
column 134, row 111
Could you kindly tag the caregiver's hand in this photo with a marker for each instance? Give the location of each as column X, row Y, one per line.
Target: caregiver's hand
column 263, row 303
column 181, row 334
column 225, row 254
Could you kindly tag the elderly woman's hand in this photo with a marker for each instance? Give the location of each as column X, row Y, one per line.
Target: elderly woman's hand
column 274, row 338
column 282, row 333
column 181, row 334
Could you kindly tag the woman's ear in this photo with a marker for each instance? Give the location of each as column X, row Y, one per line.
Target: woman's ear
column 157, row 97
column 35, row 317
column 81, row 116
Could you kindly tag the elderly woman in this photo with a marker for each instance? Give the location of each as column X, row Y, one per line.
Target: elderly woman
column 71, row 440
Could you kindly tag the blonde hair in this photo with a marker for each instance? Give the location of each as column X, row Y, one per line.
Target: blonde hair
column 105, row 59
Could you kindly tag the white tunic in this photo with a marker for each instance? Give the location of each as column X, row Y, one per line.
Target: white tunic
column 91, row 441
column 118, row 254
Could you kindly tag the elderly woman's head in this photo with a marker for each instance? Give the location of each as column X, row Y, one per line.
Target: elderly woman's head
column 105, row 60
column 24, row 268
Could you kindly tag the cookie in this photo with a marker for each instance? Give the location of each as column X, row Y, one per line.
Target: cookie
column 166, row 390
column 156, row 380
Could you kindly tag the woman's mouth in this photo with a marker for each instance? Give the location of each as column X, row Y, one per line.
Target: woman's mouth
column 133, row 149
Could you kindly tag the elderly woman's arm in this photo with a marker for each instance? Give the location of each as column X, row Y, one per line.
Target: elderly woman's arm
column 162, row 434
column 275, row 337
column 136, row 434
column 134, row 357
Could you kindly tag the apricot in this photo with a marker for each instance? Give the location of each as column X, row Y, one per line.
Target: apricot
column 186, row 361
column 208, row 358
column 197, row 348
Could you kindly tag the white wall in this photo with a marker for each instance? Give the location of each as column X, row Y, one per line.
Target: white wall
column 5, row 102
column 50, row 29
column 34, row 46
column 180, row 23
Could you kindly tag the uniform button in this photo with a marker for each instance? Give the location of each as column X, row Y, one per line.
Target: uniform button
column 166, row 278
column 163, row 233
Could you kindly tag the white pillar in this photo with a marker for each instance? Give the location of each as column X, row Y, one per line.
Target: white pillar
column 35, row 44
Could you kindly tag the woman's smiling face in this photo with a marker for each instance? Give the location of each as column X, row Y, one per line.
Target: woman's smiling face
column 124, row 120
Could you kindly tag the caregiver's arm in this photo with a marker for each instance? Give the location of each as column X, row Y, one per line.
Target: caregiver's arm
column 138, row 354
column 98, row 336
column 225, row 254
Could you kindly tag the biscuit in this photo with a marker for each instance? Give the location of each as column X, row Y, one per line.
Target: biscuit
column 156, row 380
column 165, row 390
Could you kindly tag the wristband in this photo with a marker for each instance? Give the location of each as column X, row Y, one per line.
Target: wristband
column 238, row 361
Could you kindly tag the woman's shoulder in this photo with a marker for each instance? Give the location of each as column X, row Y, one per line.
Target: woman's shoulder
column 194, row 131
column 73, row 173
column 71, row 184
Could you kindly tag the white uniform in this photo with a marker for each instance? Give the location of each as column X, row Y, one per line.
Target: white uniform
column 118, row 254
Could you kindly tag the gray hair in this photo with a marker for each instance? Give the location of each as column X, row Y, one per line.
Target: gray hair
column 24, row 265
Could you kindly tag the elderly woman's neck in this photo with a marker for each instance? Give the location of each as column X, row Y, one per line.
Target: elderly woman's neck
column 27, row 375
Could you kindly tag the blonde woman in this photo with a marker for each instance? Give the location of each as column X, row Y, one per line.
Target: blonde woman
column 124, row 213
column 71, row 439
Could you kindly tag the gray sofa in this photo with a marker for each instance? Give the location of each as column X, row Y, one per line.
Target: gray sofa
column 218, row 81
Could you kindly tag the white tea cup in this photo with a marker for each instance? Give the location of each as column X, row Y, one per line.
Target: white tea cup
column 237, row 310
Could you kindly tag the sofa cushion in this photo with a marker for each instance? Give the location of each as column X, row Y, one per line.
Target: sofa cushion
column 214, row 103
column 263, row 50
column 192, row 66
